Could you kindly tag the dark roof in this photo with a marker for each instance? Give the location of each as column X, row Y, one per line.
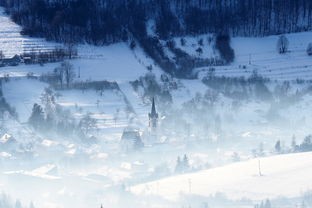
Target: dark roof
column 131, row 139
column 15, row 59
column 130, row 134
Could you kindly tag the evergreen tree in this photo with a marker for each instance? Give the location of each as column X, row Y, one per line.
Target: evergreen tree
column 18, row 204
column 178, row 167
column 306, row 145
column 31, row 205
column 186, row 165
column 293, row 144
column 224, row 48
column 267, row 204
column 37, row 117
column 278, row 146
column 182, row 42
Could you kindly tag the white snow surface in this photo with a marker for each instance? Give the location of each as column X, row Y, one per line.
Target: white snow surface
column 282, row 175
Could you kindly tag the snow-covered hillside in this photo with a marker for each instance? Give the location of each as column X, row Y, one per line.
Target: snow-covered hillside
column 12, row 42
column 282, row 176
column 261, row 54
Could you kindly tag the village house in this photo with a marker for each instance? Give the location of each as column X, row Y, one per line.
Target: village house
column 14, row 61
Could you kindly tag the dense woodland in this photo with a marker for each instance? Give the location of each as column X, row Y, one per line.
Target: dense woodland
column 106, row 21
column 102, row 22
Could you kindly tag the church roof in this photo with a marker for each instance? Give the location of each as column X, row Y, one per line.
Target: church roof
column 130, row 133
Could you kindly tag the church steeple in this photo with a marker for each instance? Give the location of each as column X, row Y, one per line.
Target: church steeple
column 153, row 115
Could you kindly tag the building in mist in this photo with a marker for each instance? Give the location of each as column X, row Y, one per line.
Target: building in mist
column 131, row 140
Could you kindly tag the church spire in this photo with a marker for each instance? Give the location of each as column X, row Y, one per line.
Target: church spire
column 153, row 112
column 153, row 115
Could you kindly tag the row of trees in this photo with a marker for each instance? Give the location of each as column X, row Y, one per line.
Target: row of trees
column 65, row 73
column 106, row 21
column 6, row 202
column 304, row 146
column 283, row 44
column 57, row 54
column 182, row 165
column 51, row 117
column 264, row 204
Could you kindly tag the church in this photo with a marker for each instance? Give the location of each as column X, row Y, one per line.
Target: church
column 131, row 138
column 152, row 134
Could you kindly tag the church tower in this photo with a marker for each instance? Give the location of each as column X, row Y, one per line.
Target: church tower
column 153, row 116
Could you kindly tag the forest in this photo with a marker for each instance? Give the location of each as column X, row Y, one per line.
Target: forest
column 107, row 21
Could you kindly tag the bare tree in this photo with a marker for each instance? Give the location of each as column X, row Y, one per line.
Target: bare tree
column 309, row 49
column 71, row 50
column 68, row 72
column 1, row 55
column 87, row 123
column 282, row 44
column 59, row 73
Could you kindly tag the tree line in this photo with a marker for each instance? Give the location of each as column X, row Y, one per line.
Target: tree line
column 107, row 21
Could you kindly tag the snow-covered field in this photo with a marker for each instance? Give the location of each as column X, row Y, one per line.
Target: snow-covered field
column 261, row 54
column 282, row 176
column 12, row 42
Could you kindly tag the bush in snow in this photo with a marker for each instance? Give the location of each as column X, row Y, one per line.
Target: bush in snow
column 309, row 49
column 199, row 51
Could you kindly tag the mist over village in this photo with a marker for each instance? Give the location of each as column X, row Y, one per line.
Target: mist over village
column 155, row 103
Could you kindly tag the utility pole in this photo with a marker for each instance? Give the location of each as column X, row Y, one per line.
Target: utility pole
column 249, row 59
column 259, row 167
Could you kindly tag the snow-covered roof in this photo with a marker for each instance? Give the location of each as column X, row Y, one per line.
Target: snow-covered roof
column 5, row 138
